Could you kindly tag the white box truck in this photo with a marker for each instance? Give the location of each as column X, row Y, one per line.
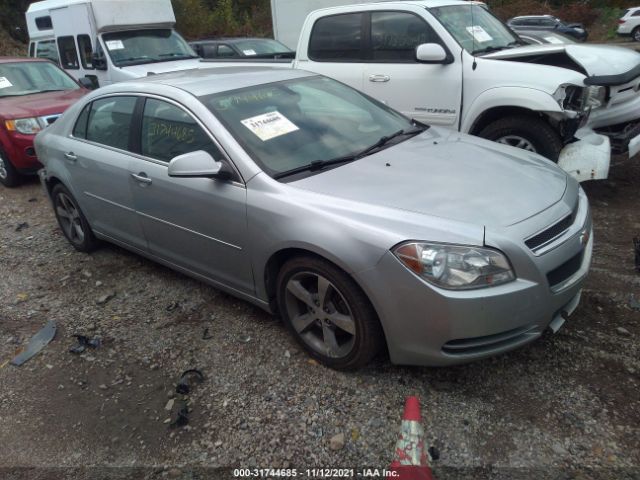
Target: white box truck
column 105, row 41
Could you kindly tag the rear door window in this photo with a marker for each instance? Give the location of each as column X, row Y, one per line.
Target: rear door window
column 338, row 38
column 68, row 53
column 395, row 36
column 168, row 131
column 110, row 121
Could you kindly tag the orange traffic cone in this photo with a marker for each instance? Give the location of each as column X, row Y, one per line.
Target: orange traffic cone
column 410, row 461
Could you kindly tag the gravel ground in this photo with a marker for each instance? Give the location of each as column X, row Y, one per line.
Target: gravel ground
column 565, row 407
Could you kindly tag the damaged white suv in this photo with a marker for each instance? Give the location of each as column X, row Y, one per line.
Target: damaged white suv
column 453, row 63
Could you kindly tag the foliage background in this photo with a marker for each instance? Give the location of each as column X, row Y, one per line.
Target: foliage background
column 209, row 18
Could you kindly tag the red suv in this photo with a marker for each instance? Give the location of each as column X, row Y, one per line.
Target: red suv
column 33, row 94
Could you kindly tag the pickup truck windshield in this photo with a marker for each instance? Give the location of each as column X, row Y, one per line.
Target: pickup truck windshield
column 475, row 28
column 136, row 47
column 27, row 78
column 300, row 123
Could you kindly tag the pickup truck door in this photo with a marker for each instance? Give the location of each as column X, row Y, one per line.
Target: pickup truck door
column 430, row 93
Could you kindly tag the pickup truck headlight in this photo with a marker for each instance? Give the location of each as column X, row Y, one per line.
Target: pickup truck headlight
column 581, row 99
column 26, row 126
column 455, row 267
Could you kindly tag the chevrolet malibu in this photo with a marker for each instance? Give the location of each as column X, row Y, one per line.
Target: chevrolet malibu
column 365, row 231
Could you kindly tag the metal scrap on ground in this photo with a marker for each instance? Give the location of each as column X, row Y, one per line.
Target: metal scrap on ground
column 36, row 344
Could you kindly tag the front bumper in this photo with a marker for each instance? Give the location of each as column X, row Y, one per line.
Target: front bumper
column 429, row 326
column 22, row 153
column 589, row 158
column 625, row 138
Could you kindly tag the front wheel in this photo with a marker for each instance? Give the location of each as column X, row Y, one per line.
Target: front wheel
column 9, row 176
column 328, row 313
column 525, row 132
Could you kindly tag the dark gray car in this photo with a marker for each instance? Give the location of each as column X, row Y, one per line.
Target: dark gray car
column 364, row 230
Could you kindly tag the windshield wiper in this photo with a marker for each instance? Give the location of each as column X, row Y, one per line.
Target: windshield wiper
column 322, row 164
column 497, row 49
column 177, row 55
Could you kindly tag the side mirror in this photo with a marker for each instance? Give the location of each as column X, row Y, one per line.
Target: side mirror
column 87, row 82
column 98, row 61
column 199, row 164
column 432, row 53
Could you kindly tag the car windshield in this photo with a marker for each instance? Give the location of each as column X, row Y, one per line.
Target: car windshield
column 475, row 28
column 135, row 47
column 261, row 46
column 26, row 78
column 289, row 125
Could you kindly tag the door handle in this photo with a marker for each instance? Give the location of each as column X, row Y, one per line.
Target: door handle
column 142, row 178
column 71, row 157
column 379, row 78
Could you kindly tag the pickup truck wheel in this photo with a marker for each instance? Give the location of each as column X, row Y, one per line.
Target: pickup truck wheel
column 636, row 34
column 328, row 314
column 72, row 221
column 529, row 133
column 9, row 176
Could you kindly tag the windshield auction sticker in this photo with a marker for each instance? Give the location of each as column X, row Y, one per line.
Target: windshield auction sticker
column 269, row 125
column 479, row 33
column 250, row 52
column 115, row 44
column 4, row 83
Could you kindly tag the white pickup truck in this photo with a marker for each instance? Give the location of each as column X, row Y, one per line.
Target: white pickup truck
column 453, row 63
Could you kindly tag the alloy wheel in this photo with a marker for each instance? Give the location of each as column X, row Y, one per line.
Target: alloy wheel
column 3, row 169
column 320, row 314
column 70, row 219
column 518, row 142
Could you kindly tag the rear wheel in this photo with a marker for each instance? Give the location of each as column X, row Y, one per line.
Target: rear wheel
column 525, row 132
column 328, row 313
column 72, row 221
column 9, row 176
column 636, row 34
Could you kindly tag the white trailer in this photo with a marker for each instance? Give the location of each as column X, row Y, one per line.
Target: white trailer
column 107, row 41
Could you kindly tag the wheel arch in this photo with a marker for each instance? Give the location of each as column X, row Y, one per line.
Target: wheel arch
column 508, row 100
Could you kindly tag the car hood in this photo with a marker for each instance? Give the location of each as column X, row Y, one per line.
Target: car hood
column 39, row 104
column 461, row 178
column 596, row 60
column 139, row 71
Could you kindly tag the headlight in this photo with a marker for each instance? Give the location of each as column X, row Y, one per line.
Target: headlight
column 455, row 267
column 27, row 126
column 581, row 99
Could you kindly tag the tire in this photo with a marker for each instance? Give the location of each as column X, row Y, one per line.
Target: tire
column 356, row 336
column 9, row 176
column 532, row 131
column 636, row 34
column 72, row 221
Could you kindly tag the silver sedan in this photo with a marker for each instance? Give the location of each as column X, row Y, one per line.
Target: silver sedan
column 365, row 231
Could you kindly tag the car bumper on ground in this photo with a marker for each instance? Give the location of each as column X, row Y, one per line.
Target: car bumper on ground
column 589, row 158
column 429, row 326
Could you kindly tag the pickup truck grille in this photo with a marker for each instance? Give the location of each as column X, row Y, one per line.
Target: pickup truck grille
column 623, row 93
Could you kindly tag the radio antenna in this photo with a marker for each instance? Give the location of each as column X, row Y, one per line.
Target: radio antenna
column 473, row 34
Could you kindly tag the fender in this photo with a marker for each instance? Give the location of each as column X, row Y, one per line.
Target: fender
column 520, row 97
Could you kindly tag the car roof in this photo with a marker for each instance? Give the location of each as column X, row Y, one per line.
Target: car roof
column 21, row 59
column 208, row 81
column 231, row 39
column 522, row 17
